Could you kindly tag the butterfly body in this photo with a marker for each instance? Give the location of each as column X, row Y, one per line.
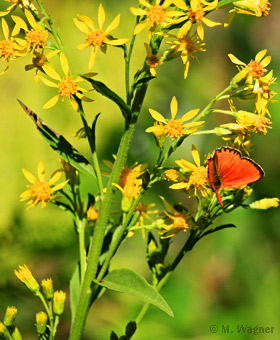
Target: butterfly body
column 227, row 168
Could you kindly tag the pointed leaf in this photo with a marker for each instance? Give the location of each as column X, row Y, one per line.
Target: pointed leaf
column 213, row 230
column 127, row 281
column 58, row 143
column 105, row 91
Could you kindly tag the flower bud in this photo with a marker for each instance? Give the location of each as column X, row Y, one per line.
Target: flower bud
column 10, row 316
column 41, row 322
column 16, row 334
column 92, row 214
column 58, row 302
column 265, row 203
column 239, row 79
column 25, row 276
column 47, row 286
column 4, row 333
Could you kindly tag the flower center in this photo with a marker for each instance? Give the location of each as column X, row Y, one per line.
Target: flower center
column 187, row 44
column 198, row 14
column 265, row 8
column 156, row 14
column 174, row 129
column 39, row 60
column 41, row 191
column 261, row 124
column 6, row 49
column 67, row 87
column 255, row 69
column 199, row 177
column 179, row 222
column 96, row 38
column 153, row 61
column 171, row 174
column 35, row 38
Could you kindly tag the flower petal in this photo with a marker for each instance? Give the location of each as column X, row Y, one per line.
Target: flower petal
column 189, row 115
column 139, row 28
column 28, row 175
column 51, row 72
column 55, row 177
column 114, row 24
column 5, row 28
column 48, row 82
column 101, row 16
column 180, row 185
column 41, row 172
column 260, row 55
column 31, row 19
column 235, row 60
column 116, row 42
column 20, row 22
column 157, row 116
column 59, row 186
column 137, row 11
column 195, row 155
column 210, row 23
column 81, row 26
column 174, row 107
column 87, row 20
column 188, row 166
column 51, row 102
column 64, row 64
column 266, row 61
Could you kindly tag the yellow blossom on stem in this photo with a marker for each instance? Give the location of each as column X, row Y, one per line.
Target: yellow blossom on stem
column 39, row 61
column 186, row 46
column 174, row 221
column 265, row 203
column 253, row 122
column 92, row 213
column 155, row 14
column 9, row 49
column 25, row 275
column 97, row 37
column 175, row 128
column 35, row 37
column 47, row 286
column 171, row 175
column 40, row 190
column 58, row 302
column 197, row 176
column 153, row 60
column 255, row 69
column 67, row 86
column 257, row 8
column 10, row 316
column 196, row 14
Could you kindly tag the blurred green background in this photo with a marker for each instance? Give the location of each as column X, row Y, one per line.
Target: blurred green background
column 230, row 278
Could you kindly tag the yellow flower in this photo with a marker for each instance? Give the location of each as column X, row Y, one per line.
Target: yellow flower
column 41, row 322
column 67, row 87
column 9, row 49
column 39, row 61
column 92, row 213
column 257, row 8
column 58, row 302
column 196, row 14
column 186, row 46
column 15, row 3
column 97, row 37
column 40, row 190
column 47, row 286
column 253, row 122
column 255, row 69
column 265, row 203
column 197, row 176
column 35, row 38
column 25, row 276
column 10, row 316
column 171, row 175
column 156, row 15
column 153, row 60
column 175, row 128
column 174, row 221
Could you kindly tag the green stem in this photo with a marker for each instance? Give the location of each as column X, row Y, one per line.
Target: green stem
column 98, row 173
column 56, row 322
column 207, row 109
column 49, row 20
column 114, row 246
column 127, row 70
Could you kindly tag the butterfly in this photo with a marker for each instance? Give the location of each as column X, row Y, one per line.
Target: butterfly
column 228, row 169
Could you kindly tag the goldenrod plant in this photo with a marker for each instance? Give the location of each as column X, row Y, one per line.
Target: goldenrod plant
column 211, row 184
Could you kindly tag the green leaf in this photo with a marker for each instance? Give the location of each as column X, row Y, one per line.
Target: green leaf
column 127, row 281
column 93, row 130
column 225, row 2
column 75, row 286
column 58, row 143
column 105, row 91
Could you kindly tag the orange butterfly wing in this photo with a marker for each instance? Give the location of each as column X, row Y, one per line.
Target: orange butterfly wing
column 228, row 169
